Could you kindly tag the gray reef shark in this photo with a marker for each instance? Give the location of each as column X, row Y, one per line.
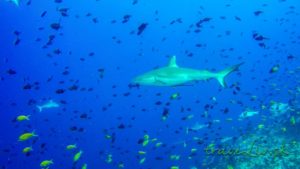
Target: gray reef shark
column 173, row 75
column 48, row 105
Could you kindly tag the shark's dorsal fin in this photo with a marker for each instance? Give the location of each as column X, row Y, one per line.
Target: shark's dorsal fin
column 172, row 62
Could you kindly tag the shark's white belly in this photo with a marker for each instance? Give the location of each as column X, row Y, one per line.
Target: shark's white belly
column 172, row 80
column 179, row 76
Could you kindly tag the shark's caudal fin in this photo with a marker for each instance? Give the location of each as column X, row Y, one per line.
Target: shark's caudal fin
column 40, row 108
column 220, row 76
column 16, row 2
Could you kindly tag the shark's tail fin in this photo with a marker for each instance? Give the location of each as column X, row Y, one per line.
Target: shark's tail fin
column 220, row 76
column 40, row 108
column 16, row 2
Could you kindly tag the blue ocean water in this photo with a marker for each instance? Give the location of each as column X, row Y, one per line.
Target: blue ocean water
column 84, row 55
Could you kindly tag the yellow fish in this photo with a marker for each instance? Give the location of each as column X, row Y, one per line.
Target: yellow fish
column 260, row 126
column 46, row 163
column 27, row 136
column 174, row 96
column 27, row 150
column 71, row 146
column 146, row 137
column 77, row 156
column 174, row 167
column 142, row 152
column 158, row 144
column 23, row 117
column 84, row 166
column 146, row 140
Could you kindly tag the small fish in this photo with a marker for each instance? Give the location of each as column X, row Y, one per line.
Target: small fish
column 55, row 26
column 77, row 156
column 108, row 136
column 193, row 150
column 292, row 120
column 146, row 140
column 46, row 163
column 121, row 165
column 225, row 139
column 201, row 21
column 274, row 69
column 214, row 98
column 260, row 126
column 174, row 96
column 23, row 117
column 175, row 157
column 142, row 152
column 27, row 150
column 165, row 114
column 248, row 113
column 142, row 160
column 154, row 140
column 109, row 158
column 27, row 136
column 141, row 28
column 71, row 146
column 211, row 145
column 257, row 13
column 84, row 166
column 158, row 144
column 237, row 18
column 198, row 126
column 278, row 108
column 48, row 105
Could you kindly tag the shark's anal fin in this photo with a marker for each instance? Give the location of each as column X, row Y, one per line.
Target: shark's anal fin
column 220, row 76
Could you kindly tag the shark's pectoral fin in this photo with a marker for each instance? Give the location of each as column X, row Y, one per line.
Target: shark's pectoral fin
column 161, row 80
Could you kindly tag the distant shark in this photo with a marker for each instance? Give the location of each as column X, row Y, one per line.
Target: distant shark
column 173, row 75
column 47, row 105
column 16, row 2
